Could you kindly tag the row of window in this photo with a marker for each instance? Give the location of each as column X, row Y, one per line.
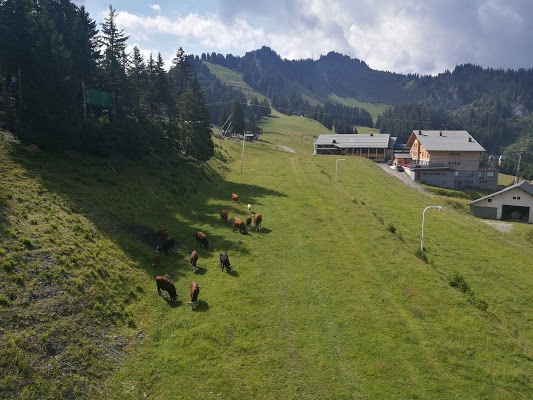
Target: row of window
column 454, row 163
column 454, row 154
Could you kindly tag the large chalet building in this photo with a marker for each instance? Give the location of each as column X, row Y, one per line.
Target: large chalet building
column 450, row 159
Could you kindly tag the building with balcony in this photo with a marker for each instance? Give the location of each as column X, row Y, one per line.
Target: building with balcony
column 450, row 159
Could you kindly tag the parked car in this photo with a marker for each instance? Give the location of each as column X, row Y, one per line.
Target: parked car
column 400, row 168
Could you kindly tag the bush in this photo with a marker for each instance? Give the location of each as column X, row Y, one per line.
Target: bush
column 420, row 254
column 3, row 300
column 457, row 281
column 391, row 228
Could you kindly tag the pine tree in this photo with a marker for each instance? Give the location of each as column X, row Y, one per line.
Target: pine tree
column 237, row 118
column 195, row 121
column 114, row 60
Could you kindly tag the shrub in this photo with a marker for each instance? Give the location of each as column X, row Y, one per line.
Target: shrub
column 8, row 266
column 478, row 303
column 26, row 242
column 3, row 300
column 420, row 254
column 391, row 228
column 457, row 281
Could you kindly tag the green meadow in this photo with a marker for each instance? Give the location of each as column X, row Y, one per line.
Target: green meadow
column 331, row 299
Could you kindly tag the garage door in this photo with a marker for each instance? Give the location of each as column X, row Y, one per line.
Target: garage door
column 484, row 212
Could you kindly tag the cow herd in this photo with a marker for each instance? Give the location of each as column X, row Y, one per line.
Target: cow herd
column 166, row 244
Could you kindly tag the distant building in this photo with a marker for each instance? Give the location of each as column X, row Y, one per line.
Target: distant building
column 376, row 147
column 449, row 159
column 512, row 203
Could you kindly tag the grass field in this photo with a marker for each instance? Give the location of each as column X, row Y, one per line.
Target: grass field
column 234, row 80
column 332, row 299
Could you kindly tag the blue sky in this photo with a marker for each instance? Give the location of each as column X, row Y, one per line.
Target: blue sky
column 404, row 36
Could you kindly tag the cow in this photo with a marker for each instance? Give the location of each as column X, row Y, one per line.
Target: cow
column 248, row 221
column 202, row 239
column 257, row 222
column 250, row 208
column 239, row 224
column 162, row 234
column 167, row 244
column 163, row 282
column 224, row 216
column 224, row 262
column 193, row 258
column 157, row 260
column 235, row 198
column 194, row 291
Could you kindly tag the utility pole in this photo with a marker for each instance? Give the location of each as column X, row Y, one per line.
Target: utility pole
column 517, row 177
column 242, row 157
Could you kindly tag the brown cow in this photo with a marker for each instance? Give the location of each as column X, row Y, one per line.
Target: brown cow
column 164, row 283
column 235, row 198
column 257, row 222
column 248, row 221
column 224, row 216
column 239, row 224
column 202, row 239
column 193, row 258
column 157, row 260
column 194, row 291
column 162, row 234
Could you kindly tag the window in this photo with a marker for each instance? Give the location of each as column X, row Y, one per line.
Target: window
column 490, row 173
column 489, row 200
column 481, row 174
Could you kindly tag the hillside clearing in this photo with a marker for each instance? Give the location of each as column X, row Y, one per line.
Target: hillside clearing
column 326, row 301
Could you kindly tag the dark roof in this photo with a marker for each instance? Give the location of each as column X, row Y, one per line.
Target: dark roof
column 446, row 141
column 360, row 140
column 524, row 185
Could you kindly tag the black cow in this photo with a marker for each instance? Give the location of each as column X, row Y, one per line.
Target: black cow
column 202, row 240
column 164, row 283
column 167, row 244
column 224, row 262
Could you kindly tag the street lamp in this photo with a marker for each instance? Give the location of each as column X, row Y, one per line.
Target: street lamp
column 423, row 218
column 337, row 166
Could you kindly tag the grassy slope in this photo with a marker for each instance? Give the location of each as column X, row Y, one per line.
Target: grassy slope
column 234, row 80
column 325, row 302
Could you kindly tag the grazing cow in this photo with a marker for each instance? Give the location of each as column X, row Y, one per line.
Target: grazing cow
column 224, row 262
column 202, row 239
column 257, row 222
column 248, row 221
column 250, row 208
column 194, row 291
column 162, row 234
column 193, row 258
column 224, row 216
column 235, row 198
column 166, row 245
column 157, row 260
column 239, row 224
column 164, row 283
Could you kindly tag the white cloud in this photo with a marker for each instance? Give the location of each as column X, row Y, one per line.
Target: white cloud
column 422, row 36
column 155, row 7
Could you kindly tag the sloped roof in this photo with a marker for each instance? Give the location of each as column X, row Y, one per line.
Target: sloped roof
column 445, row 141
column 360, row 140
column 524, row 185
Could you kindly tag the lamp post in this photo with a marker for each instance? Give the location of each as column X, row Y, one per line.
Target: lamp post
column 337, row 166
column 423, row 219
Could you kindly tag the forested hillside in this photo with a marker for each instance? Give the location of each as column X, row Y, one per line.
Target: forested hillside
column 68, row 84
column 494, row 105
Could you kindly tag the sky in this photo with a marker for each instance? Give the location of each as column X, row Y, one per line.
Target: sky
column 404, row 36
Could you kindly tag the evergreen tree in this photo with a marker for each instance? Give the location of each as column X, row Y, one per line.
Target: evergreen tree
column 237, row 118
column 195, row 123
column 114, row 60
